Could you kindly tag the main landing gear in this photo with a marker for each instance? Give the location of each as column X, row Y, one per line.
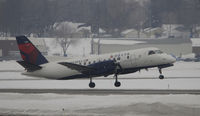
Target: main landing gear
column 117, row 83
column 91, row 84
column 161, row 76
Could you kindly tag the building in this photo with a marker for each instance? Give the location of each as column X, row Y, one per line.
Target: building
column 175, row 46
column 0, row 54
column 8, row 45
column 196, row 46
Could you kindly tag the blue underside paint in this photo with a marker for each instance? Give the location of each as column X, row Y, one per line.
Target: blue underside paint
column 105, row 68
column 110, row 72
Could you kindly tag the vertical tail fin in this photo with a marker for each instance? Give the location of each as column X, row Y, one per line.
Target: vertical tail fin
column 29, row 52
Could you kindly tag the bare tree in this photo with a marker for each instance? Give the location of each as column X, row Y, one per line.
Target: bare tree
column 138, row 16
column 64, row 32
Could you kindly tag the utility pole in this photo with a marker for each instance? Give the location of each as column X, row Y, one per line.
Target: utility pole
column 99, row 46
column 92, row 45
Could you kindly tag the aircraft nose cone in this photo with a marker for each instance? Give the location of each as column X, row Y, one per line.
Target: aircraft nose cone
column 171, row 59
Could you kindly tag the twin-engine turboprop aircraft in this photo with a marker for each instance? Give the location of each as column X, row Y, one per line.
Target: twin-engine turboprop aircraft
column 92, row 66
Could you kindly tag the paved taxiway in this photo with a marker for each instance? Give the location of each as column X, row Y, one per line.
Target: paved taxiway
column 98, row 91
column 130, row 86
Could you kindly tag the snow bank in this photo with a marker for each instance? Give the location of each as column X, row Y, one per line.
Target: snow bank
column 10, row 66
column 119, row 42
column 83, row 105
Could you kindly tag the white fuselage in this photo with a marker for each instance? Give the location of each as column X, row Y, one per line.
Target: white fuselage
column 132, row 59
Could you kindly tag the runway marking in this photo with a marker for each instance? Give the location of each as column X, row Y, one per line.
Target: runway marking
column 11, row 71
column 100, row 91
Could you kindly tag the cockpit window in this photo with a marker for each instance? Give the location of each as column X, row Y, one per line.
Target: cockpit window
column 158, row 52
column 155, row 52
column 151, row 52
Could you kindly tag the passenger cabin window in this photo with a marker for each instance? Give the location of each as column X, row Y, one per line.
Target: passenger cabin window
column 127, row 57
column 118, row 58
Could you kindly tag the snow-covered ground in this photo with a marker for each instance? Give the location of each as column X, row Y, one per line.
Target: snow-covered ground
column 183, row 75
column 119, row 42
column 92, row 105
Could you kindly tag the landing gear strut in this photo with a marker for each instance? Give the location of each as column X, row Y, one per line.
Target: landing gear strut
column 91, row 84
column 161, row 76
column 117, row 83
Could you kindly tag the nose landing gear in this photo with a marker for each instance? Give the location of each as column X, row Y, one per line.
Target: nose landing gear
column 161, row 76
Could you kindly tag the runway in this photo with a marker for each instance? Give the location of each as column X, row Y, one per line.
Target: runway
column 100, row 91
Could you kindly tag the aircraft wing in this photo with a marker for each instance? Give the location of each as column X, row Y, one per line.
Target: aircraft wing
column 79, row 68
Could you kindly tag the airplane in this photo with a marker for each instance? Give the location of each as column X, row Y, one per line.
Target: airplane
column 117, row 63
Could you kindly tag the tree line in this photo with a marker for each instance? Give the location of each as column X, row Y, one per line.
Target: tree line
column 39, row 16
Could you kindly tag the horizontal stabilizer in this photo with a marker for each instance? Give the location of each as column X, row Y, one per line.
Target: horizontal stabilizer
column 28, row 66
column 80, row 68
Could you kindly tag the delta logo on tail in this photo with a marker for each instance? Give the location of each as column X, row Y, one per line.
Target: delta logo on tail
column 29, row 52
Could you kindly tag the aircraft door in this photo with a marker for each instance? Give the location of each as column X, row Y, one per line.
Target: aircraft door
column 133, row 60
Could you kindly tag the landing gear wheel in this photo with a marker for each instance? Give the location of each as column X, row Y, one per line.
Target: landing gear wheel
column 91, row 84
column 117, row 84
column 117, row 71
column 161, row 77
